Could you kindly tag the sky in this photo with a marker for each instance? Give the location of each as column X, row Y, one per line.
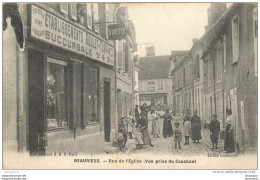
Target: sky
column 168, row 26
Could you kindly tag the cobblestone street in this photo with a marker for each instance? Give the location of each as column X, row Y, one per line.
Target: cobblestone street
column 166, row 146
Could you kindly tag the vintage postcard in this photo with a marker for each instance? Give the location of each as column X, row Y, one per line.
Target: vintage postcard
column 130, row 85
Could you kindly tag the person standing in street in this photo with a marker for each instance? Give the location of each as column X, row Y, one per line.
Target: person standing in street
column 143, row 125
column 122, row 128
column 195, row 127
column 155, row 124
column 177, row 135
column 130, row 124
column 229, row 143
column 186, row 130
column 137, row 114
column 167, row 124
column 214, row 128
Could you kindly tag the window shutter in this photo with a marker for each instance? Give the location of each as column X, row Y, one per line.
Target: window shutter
column 119, row 55
column 126, row 49
column 89, row 16
column 64, row 8
column 123, row 58
column 107, row 18
column 73, row 11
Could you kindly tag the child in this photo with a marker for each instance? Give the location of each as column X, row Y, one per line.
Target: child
column 186, row 130
column 139, row 139
column 177, row 135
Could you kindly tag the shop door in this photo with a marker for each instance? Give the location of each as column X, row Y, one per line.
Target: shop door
column 36, row 102
column 107, row 121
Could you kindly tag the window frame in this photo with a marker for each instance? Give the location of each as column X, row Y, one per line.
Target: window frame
column 85, row 67
column 57, row 61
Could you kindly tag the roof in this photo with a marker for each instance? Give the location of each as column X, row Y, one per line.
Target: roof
column 178, row 53
column 154, row 67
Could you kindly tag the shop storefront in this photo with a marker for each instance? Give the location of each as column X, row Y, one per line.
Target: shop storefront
column 70, row 81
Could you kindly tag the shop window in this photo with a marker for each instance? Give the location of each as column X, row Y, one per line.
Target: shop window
column 56, row 94
column 235, row 38
column 90, row 95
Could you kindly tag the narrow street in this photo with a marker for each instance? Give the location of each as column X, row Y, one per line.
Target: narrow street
column 166, row 146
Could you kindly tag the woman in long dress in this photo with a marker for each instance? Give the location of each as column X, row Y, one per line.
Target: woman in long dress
column 143, row 125
column 155, row 124
column 167, row 124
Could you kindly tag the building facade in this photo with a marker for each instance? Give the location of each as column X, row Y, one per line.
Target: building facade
column 155, row 85
column 63, row 77
column 125, row 67
column 230, row 68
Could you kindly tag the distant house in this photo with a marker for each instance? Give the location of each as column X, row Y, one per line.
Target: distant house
column 155, row 85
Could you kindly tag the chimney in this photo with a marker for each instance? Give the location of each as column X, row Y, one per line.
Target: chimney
column 215, row 11
column 194, row 41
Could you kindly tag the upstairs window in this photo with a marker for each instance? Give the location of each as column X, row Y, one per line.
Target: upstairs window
column 151, row 86
column 64, row 8
column 69, row 9
column 219, row 64
column 235, row 38
column 119, row 47
column 95, row 17
column 73, row 11
column 89, row 16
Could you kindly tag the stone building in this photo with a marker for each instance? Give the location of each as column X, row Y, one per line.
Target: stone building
column 155, row 85
column 230, row 70
column 59, row 82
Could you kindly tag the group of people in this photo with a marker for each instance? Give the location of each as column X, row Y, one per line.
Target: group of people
column 214, row 127
column 191, row 127
column 137, row 128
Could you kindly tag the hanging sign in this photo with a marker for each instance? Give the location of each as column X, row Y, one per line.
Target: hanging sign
column 117, row 31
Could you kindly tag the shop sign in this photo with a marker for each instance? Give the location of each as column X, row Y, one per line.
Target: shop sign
column 53, row 30
column 117, row 31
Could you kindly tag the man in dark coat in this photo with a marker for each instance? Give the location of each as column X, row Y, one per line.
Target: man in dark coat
column 214, row 128
column 195, row 127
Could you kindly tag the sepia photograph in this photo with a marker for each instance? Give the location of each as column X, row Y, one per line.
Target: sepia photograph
column 98, row 85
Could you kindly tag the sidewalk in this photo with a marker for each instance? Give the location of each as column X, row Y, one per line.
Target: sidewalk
column 205, row 133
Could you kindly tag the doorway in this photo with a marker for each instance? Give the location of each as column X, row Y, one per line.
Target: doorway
column 107, row 120
column 36, row 102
